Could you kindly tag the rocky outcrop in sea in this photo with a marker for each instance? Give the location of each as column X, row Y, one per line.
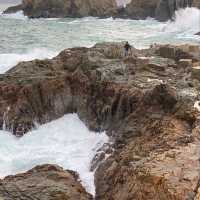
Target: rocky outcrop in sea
column 162, row 10
column 67, row 8
column 147, row 102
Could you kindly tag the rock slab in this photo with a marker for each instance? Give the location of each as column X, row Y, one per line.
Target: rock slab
column 45, row 182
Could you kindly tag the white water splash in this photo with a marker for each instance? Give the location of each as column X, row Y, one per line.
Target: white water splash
column 66, row 142
column 5, row 118
column 18, row 15
column 7, row 61
column 187, row 19
column 197, row 105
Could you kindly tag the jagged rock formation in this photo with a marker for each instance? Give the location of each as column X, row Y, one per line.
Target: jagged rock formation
column 161, row 10
column 68, row 8
column 43, row 182
column 137, row 9
column 146, row 102
column 166, row 8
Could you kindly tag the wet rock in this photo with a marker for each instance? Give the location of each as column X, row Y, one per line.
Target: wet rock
column 148, row 114
column 43, row 182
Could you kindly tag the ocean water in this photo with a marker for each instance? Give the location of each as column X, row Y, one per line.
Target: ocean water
column 25, row 39
column 66, row 141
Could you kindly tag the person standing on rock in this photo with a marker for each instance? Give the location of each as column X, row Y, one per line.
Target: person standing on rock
column 127, row 47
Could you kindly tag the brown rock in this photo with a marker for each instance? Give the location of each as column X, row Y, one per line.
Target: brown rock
column 149, row 114
column 43, row 182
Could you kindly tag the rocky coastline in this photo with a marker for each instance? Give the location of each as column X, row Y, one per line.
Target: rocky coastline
column 161, row 10
column 146, row 102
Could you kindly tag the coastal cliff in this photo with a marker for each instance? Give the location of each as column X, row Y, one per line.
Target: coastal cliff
column 147, row 103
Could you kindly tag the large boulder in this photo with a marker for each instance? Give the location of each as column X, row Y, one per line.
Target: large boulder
column 68, row 8
column 138, row 9
column 43, row 182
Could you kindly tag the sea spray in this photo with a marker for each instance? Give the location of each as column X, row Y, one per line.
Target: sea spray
column 7, row 60
column 5, row 118
column 185, row 20
column 66, row 142
column 18, row 15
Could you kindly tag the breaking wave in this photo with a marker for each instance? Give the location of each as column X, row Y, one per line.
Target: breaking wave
column 7, row 61
column 65, row 141
column 18, row 15
column 187, row 20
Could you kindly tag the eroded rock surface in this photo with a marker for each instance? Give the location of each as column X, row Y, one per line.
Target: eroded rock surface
column 43, row 182
column 144, row 101
column 136, row 9
column 67, row 8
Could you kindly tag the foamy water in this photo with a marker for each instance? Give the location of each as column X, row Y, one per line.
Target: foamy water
column 66, row 142
column 7, row 60
column 185, row 20
column 22, row 37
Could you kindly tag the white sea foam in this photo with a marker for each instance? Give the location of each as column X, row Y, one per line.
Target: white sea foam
column 197, row 105
column 18, row 15
column 7, row 61
column 66, row 142
column 187, row 19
